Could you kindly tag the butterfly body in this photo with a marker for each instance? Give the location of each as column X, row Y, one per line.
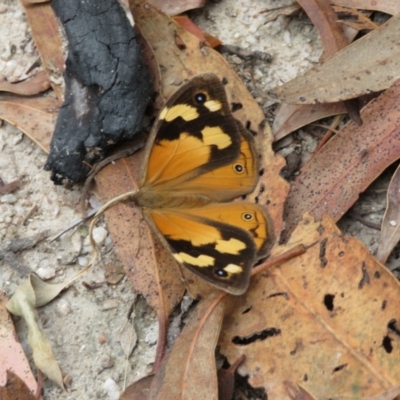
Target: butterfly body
column 198, row 159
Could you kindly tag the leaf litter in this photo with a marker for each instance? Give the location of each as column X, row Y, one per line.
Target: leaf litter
column 389, row 343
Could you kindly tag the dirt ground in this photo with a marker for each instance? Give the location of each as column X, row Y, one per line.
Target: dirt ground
column 84, row 326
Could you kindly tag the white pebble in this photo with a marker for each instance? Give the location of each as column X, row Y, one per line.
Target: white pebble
column 393, row 223
column 99, row 235
column 112, row 389
column 63, row 307
column 8, row 198
column 109, row 304
column 46, row 273
column 82, row 261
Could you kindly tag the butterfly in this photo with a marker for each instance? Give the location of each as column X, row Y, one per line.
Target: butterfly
column 197, row 160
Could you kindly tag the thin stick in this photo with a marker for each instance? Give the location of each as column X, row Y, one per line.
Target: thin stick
column 287, row 255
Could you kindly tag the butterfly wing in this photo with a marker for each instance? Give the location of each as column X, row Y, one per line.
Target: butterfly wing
column 196, row 146
column 218, row 243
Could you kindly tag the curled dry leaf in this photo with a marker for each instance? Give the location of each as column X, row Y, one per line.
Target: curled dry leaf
column 23, row 303
column 33, row 85
column 390, row 232
column 292, row 116
column 370, row 64
column 331, row 182
column 189, row 371
column 12, row 356
column 327, row 321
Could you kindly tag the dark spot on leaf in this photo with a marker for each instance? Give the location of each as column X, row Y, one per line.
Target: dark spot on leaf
column 387, row 344
column 328, row 301
column 377, row 274
column 322, row 252
column 365, row 277
column 247, row 310
column 236, row 107
column 339, row 368
column 392, row 325
column 264, row 334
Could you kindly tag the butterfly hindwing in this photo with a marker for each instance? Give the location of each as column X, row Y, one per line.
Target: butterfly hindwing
column 218, row 242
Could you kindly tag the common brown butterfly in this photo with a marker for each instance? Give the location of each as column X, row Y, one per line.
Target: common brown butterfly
column 197, row 160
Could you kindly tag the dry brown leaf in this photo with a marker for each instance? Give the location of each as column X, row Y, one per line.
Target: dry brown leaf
column 390, row 232
column 152, row 272
column 139, row 390
column 22, row 303
column 191, row 27
column 189, row 371
column 36, row 117
column 391, row 7
column 15, row 389
column 35, row 84
column 173, row 7
column 292, row 116
column 12, row 356
column 370, row 64
column 331, row 182
column 324, row 19
column 327, row 321
column 46, row 34
column 355, row 19
column 226, row 380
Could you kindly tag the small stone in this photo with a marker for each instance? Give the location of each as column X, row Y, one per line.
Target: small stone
column 46, row 273
column 67, row 380
column 18, row 138
column 63, row 307
column 102, row 338
column 82, row 261
column 393, row 223
column 112, row 389
column 109, row 304
column 8, row 198
column 151, row 334
column 106, row 362
column 99, row 235
column 237, row 60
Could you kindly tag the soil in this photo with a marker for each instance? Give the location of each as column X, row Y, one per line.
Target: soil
column 84, row 325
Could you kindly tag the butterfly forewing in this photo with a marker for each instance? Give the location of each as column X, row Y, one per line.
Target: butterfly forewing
column 194, row 133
